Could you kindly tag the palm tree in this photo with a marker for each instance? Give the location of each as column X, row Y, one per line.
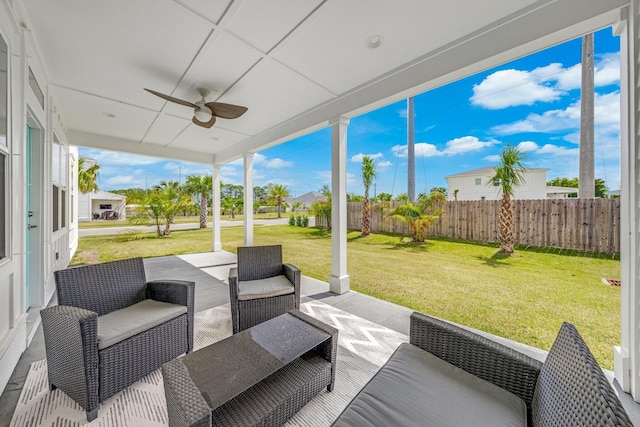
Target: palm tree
column 278, row 192
column 368, row 174
column 168, row 199
column 87, row 177
column 508, row 175
column 420, row 216
column 200, row 185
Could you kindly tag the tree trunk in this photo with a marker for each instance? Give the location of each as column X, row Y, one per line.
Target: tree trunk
column 505, row 235
column 203, row 211
column 366, row 214
column 279, row 209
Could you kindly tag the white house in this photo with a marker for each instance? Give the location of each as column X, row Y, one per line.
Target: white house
column 476, row 184
column 67, row 78
column 100, row 204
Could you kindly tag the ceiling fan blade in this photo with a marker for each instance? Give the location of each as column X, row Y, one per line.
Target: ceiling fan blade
column 204, row 124
column 171, row 98
column 226, row 111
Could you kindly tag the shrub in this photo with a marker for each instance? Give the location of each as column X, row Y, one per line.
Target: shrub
column 292, row 220
column 305, row 221
column 299, row 221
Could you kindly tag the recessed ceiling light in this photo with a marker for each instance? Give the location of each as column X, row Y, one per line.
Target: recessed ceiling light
column 110, row 115
column 375, row 41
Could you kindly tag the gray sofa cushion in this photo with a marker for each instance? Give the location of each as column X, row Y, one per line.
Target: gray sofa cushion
column 416, row 388
column 124, row 323
column 264, row 288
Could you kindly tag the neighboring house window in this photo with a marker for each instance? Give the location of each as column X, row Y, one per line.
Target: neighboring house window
column 483, row 198
column 478, row 181
column 496, row 182
column 105, row 206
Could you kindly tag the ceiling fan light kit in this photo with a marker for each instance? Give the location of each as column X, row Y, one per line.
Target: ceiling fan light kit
column 205, row 113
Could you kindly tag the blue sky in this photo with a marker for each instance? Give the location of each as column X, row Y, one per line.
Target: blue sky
column 533, row 103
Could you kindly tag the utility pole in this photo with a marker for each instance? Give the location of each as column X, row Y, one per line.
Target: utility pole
column 411, row 153
column 586, row 180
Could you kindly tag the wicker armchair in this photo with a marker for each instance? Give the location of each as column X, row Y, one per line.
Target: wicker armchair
column 261, row 287
column 112, row 328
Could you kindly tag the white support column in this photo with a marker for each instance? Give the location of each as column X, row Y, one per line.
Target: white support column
column 217, row 239
column 248, row 199
column 626, row 356
column 339, row 280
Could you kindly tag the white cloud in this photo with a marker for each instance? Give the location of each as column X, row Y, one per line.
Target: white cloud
column 357, row 158
column 382, row 165
column 558, row 150
column 509, row 88
column 130, row 180
column 607, row 118
column 462, row 145
column 271, row 163
column 492, row 158
column 527, row 146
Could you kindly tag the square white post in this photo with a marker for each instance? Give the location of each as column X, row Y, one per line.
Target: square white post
column 217, row 239
column 626, row 356
column 248, row 199
column 339, row 280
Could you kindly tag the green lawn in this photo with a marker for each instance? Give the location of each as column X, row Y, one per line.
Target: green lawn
column 524, row 297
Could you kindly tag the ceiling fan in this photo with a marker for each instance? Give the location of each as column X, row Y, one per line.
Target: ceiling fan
column 205, row 113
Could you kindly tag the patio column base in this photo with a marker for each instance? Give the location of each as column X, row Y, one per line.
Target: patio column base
column 217, row 247
column 339, row 285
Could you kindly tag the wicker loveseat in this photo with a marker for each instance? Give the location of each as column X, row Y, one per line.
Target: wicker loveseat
column 112, row 328
column 448, row 376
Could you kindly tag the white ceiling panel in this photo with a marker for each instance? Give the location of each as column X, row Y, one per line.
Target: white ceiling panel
column 275, row 93
column 332, row 48
column 196, row 138
column 165, row 128
column 264, row 23
column 210, row 10
column 219, row 65
column 116, row 48
column 102, row 116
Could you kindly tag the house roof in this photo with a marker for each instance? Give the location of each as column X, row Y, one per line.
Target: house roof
column 490, row 171
column 297, row 65
column 308, row 198
column 105, row 195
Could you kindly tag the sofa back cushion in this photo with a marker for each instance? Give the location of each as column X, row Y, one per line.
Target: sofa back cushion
column 572, row 389
column 102, row 288
column 259, row 262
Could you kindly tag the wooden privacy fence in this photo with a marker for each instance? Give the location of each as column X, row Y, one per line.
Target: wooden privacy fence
column 580, row 224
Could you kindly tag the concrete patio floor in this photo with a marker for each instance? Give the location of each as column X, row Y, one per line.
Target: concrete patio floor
column 209, row 270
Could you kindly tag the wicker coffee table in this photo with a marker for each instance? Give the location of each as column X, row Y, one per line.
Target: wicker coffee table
column 260, row 376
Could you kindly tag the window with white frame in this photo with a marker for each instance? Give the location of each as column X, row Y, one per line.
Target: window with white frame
column 60, row 178
column 478, row 181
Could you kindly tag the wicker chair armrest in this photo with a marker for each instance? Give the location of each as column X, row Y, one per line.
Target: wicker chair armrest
column 292, row 273
column 480, row 356
column 180, row 292
column 185, row 405
column 71, row 344
column 233, row 298
column 173, row 291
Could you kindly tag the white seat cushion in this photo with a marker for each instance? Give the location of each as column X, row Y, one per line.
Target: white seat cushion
column 124, row 323
column 264, row 288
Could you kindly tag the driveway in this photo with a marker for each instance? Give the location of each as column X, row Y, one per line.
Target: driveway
column 195, row 225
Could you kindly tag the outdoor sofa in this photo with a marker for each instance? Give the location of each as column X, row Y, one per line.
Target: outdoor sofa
column 449, row 376
column 112, row 327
